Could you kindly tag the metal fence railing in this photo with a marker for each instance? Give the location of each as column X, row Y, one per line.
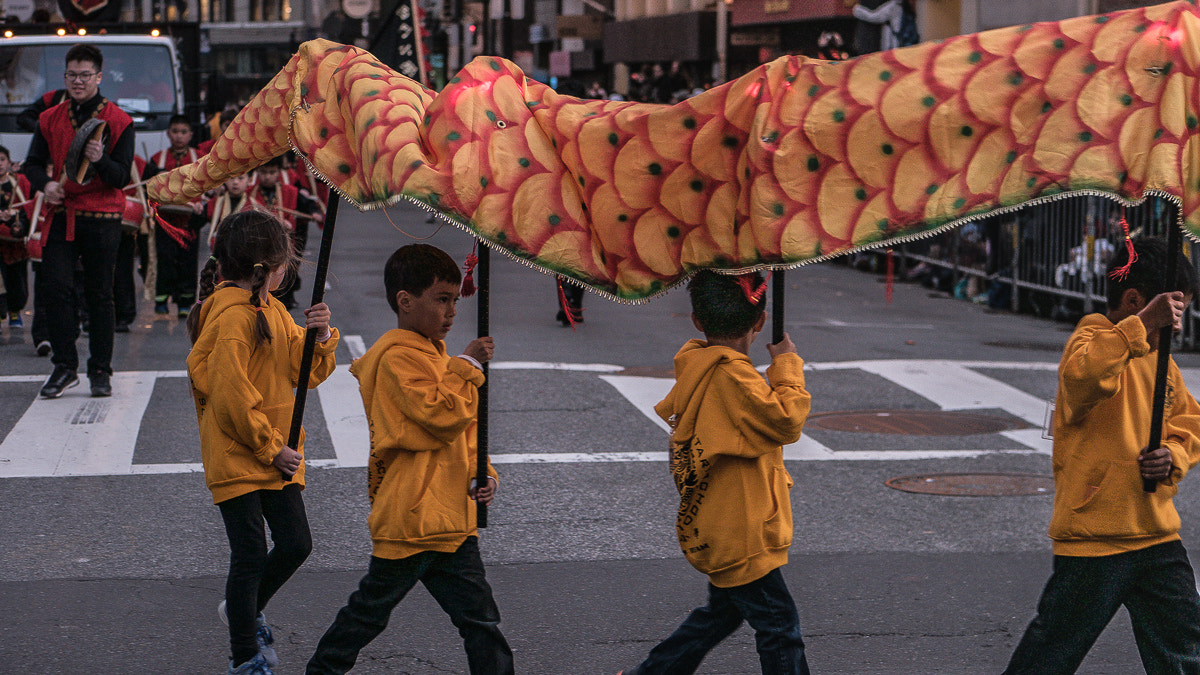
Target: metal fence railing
column 1049, row 259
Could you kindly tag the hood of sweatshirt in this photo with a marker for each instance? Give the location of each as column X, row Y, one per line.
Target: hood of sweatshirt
column 695, row 364
column 369, row 362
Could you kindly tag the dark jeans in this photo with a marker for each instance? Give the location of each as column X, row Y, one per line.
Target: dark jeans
column 16, row 285
column 124, row 288
column 95, row 247
column 178, row 270
column 455, row 580
column 763, row 603
column 1155, row 584
column 254, row 574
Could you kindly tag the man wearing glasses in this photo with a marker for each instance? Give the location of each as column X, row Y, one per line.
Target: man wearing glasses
column 86, row 225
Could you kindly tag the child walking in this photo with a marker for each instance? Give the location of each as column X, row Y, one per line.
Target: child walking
column 422, row 407
column 1114, row 543
column 243, row 367
column 734, row 523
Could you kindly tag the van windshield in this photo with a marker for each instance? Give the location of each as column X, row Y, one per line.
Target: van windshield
column 137, row 77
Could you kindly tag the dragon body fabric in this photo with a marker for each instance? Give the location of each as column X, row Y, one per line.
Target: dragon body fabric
column 794, row 162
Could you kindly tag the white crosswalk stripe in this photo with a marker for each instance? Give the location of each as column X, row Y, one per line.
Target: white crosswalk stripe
column 78, row 435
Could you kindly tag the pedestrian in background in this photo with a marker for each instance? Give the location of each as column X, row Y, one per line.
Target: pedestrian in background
column 734, row 523
column 14, row 226
column 176, row 232
column 1114, row 543
column 422, row 408
column 86, row 225
column 246, row 351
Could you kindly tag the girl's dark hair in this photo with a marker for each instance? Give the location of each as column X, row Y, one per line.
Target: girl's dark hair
column 721, row 304
column 414, row 268
column 249, row 245
column 1147, row 274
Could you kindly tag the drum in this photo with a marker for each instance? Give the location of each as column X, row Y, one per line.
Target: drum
column 131, row 220
column 174, row 212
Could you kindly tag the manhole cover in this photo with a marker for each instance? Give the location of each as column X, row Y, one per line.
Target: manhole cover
column 915, row 422
column 975, row 484
column 1029, row 346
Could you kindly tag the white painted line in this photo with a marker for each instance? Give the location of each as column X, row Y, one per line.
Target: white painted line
column 643, row 393
column 553, row 365
column 345, row 417
column 355, row 344
column 77, row 435
column 42, row 378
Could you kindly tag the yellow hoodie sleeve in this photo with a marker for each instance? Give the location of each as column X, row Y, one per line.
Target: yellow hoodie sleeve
column 774, row 413
column 1181, row 431
column 234, row 402
column 323, row 361
column 428, row 409
column 1092, row 364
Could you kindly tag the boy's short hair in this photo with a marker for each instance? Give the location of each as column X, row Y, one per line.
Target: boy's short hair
column 85, row 52
column 179, row 118
column 414, row 268
column 1147, row 274
column 273, row 163
column 721, row 306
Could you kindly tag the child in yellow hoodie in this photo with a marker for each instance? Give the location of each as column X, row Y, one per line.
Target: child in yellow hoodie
column 243, row 366
column 735, row 516
column 422, row 407
column 1114, row 543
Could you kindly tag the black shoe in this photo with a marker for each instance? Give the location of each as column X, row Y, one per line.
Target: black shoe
column 121, row 327
column 62, row 379
column 101, row 384
column 43, row 348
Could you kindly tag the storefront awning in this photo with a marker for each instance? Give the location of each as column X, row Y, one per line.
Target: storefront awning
column 757, row 12
column 692, row 37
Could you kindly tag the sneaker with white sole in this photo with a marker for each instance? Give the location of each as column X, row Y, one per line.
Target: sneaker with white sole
column 255, row 666
column 262, row 635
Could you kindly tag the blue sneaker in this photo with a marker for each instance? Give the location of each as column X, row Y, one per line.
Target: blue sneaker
column 262, row 636
column 14, row 321
column 255, row 666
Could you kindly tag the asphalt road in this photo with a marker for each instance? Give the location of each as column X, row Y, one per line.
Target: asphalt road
column 113, row 556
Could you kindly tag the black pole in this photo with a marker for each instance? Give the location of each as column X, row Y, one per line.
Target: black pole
column 483, row 268
column 777, row 295
column 310, row 336
column 1174, row 242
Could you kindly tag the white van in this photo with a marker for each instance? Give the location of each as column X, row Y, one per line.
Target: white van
column 141, row 74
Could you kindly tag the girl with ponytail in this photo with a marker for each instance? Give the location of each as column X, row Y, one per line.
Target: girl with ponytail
column 243, row 366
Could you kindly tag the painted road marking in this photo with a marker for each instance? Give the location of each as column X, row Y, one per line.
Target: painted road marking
column 77, row 435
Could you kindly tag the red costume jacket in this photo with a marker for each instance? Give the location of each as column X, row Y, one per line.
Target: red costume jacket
column 94, row 197
column 14, row 189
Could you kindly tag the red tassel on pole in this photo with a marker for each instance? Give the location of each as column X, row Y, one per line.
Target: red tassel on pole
column 566, row 306
column 1122, row 271
column 468, row 282
column 890, row 282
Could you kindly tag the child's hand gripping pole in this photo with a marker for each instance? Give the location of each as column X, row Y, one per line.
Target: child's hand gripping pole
column 310, row 336
column 1174, row 238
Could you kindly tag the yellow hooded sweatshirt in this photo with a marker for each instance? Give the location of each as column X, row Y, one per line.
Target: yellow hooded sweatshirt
column 735, row 516
column 244, row 392
column 422, row 407
column 1101, row 424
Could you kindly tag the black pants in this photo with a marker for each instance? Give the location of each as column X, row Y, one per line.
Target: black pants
column 456, row 580
column 254, row 574
column 178, row 270
column 764, row 603
column 16, row 285
column 95, row 250
column 1155, row 584
column 124, row 288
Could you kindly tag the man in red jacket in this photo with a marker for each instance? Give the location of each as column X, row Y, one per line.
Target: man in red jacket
column 86, row 227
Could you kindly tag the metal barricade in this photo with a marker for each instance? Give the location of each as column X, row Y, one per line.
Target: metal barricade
column 1048, row 259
